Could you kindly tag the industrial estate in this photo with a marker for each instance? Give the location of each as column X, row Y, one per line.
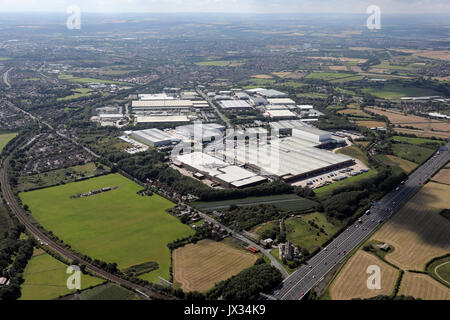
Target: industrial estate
column 224, row 158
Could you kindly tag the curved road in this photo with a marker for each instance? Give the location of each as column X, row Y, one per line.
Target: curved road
column 306, row 277
column 17, row 210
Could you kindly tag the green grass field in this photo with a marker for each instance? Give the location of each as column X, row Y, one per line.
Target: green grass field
column 287, row 202
column 411, row 152
column 390, row 160
column 77, row 93
column 440, row 270
column 108, row 291
column 301, row 233
column 215, row 63
column 355, row 152
column 5, row 138
column 46, row 278
column 328, row 76
column 394, row 92
column 116, row 226
column 416, row 140
column 71, row 78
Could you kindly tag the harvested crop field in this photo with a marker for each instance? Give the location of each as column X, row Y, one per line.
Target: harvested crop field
column 418, row 232
column 371, row 124
column 442, row 176
column 197, row 267
column 423, row 286
column 400, row 119
column 352, row 280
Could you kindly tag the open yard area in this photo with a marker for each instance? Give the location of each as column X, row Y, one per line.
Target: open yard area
column 351, row 282
column 199, row 266
column 5, row 138
column 114, row 226
column 305, row 230
column 418, row 232
column 424, row 287
column 45, row 278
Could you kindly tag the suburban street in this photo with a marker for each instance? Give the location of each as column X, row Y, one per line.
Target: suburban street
column 306, row 277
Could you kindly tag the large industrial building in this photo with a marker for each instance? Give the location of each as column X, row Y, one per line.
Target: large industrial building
column 287, row 159
column 209, row 132
column 154, row 137
column 234, row 105
column 219, row 171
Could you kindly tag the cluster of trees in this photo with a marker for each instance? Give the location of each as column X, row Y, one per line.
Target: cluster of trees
column 346, row 200
column 200, row 234
column 247, row 285
column 14, row 257
column 244, row 218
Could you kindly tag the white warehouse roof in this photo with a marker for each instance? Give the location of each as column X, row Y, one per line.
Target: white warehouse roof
column 234, row 104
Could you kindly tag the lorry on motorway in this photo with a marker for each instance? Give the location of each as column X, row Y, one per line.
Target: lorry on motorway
column 368, row 212
column 360, row 220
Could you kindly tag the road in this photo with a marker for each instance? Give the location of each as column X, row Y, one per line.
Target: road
column 306, row 277
column 274, row 262
column 225, row 119
column 5, row 77
column 41, row 237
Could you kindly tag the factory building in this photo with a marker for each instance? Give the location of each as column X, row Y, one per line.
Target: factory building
column 279, row 114
column 154, row 137
column 210, row 131
column 227, row 175
column 312, row 134
column 234, row 105
column 287, row 159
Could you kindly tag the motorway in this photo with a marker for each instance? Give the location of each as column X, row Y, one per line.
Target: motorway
column 5, row 77
column 306, row 277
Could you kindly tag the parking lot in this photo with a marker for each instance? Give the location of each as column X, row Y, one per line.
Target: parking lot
column 332, row 176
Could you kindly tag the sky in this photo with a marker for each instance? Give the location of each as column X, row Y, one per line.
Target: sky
column 228, row 6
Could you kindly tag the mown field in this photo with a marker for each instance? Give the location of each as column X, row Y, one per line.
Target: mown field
column 197, row 267
column 429, row 126
column 442, row 176
column 46, row 278
column 424, row 287
column 325, row 191
column 287, row 202
column 394, row 92
column 5, row 138
column 351, row 282
column 71, row 78
column 418, row 232
column 300, row 232
column 116, row 226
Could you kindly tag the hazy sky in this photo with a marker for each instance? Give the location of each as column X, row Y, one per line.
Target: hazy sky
column 257, row 6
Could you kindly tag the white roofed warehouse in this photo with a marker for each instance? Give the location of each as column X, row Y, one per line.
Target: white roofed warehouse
column 154, row 137
column 227, row 175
